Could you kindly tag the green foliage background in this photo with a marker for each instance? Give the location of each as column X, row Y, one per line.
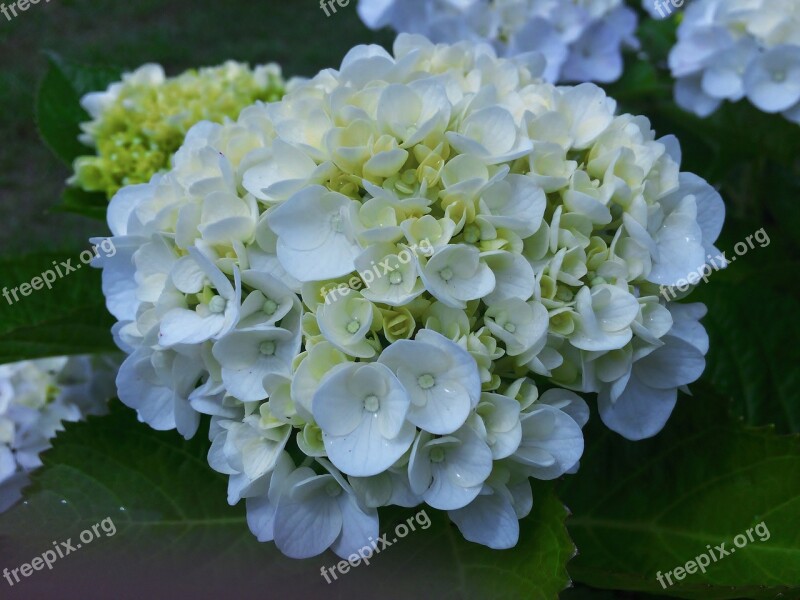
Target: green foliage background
column 728, row 459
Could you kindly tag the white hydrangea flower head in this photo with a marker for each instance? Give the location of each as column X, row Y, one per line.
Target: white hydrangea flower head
column 728, row 50
column 36, row 398
column 580, row 40
column 366, row 283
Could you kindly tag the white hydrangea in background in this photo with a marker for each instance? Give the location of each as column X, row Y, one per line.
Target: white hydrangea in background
column 735, row 49
column 387, row 288
column 36, row 397
column 581, row 40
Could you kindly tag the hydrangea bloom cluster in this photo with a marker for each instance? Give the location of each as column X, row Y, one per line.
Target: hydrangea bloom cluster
column 734, row 49
column 138, row 123
column 581, row 40
column 36, row 397
column 388, row 287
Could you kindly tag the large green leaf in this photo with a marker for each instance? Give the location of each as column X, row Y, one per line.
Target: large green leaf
column 69, row 318
column 640, row 508
column 753, row 327
column 58, row 110
column 59, row 115
column 174, row 526
column 754, row 354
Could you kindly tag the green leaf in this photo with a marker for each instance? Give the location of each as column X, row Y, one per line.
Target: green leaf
column 89, row 204
column 753, row 327
column 172, row 522
column 58, row 110
column 69, row 318
column 641, row 508
column 754, row 352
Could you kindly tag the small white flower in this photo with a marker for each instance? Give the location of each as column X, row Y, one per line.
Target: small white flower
column 346, row 322
column 313, row 513
column 392, row 274
column 213, row 317
column 440, row 378
column 552, row 442
column 248, row 448
column 448, row 472
column 388, row 488
column 604, row 317
column 492, row 518
column 286, row 171
column 318, row 362
column 362, row 413
column 514, row 277
column 455, row 275
column 638, row 404
column 157, row 383
column 316, row 234
column 520, row 325
column 496, row 420
column 248, row 356
column 491, row 135
column 772, row 80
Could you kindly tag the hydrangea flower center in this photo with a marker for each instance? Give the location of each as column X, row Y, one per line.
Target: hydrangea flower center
column 472, row 233
column 270, row 306
column 395, row 278
column 446, row 274
column 372, row 403
column 217, row 305
column 426, row 381
column 353, row 326
column 437, row 455
column 267, row 348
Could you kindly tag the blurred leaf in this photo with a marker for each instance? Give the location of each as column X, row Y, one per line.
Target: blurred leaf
column 657, row 36
column 641, row 508
column 81, row 202
column 172, row 522
column 58, row 110
column 69, row 318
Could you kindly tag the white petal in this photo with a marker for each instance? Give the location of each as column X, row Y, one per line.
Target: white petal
column 336, row 408
column 640, row 411
column 359, row 527
column 489, row 520
column 307, row 520
column 446, row 495
column 365, row 452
